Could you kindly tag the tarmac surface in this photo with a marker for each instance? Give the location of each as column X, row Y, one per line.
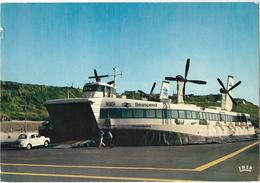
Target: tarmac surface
column 209, row 162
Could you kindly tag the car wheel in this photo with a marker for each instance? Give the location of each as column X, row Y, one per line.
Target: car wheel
column 46, row 143
column 29, row 146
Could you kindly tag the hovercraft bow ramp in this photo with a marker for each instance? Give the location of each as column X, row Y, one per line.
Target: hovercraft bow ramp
column 70, row 119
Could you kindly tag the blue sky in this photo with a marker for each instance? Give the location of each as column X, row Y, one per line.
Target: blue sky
column 56, row 44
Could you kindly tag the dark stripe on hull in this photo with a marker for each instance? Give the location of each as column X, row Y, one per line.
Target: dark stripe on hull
column 162, row 138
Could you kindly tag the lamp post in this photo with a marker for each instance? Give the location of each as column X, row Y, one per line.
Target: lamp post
column 26, row 103
column 68, row 89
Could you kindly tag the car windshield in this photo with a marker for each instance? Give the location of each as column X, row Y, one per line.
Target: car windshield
column 22, row 136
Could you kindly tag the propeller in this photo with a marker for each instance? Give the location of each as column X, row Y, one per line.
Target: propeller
column 225, row 91
column 97, row 77
column 184, row 79
column 150, row 95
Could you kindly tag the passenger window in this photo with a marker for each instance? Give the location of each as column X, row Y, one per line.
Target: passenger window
column 174, row 114
column 109, row 91
column 159, row 113
column 32, row 136
column 203, row 114
column 211, row 116
column 181, row 114
column 243, row 118
column 188, row 114
column 222, row 117
column 38, row 136
column 226, row 117
column 150, row 113
column 218, row 117
column 22, row 136
column 166, row 114
column 104, row 113
column 115, row 113
column 208, row 116
column 127, row 113
column 138, row 113
column 194, row 115
column 215, row 117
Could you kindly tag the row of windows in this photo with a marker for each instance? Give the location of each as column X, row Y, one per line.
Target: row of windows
column 170, row 114
column 99, row 88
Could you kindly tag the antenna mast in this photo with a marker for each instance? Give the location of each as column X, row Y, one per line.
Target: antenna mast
column 114, row 69
column 114, row 75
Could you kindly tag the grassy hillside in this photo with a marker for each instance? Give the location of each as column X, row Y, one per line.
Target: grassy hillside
column 17, row 97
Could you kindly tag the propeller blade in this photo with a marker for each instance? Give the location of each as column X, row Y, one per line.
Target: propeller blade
column 111, row 82
column 103, row 76
column 197, row 82
column 234, row 102
column 95, row 73
column 220, row 82
column 187, row 68
column 140, row 91
column 96, row 76
column 152, row 88
column 170, row 78
column 234, row 86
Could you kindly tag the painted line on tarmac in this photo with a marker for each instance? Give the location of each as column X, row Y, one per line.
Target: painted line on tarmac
column 224, row 158
column 197, row 169
column 94, row 167
column 91, row 177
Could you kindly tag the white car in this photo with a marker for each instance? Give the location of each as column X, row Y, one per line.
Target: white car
column 29, row 140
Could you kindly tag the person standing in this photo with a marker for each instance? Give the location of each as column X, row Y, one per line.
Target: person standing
column 100, row 139
column 109, row 138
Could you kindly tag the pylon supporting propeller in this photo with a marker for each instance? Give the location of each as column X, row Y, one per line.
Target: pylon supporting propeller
column 226, row 91
column 184, row 79
column 97, row 77
column 150, row 95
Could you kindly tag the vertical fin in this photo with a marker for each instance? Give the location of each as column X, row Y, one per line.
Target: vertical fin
column 164, row 94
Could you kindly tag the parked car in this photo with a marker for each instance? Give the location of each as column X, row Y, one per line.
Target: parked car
column 29, row 140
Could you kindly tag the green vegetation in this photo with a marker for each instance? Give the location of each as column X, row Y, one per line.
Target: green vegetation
column 17, row 98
